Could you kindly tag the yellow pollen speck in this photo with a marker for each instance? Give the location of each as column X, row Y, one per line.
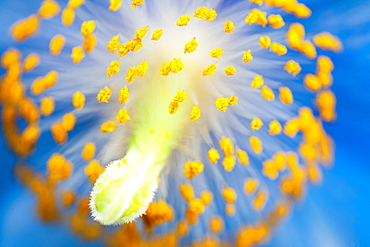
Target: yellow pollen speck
column 211, row 15
column 179, row 97
column 229, row 195
column 47, row 106
column 183, row 21
column 256, row 144
column 201, row 12
column 87, row 27
column 279, row 49
column 247, row 56
column 122, row 116
column 88, row 152
column 78, row 100
column 229, row 27
column 24, row 28
column 56, row 44
column 131, row 74
column 192, row 168
column 243, row 157
column 324, row 64
column 291, row 127
column 267, row 93
column 292, row 67
column 59, row 134
column 216, row 53
column 173, row 107
column 233, row 100
column 93, row 171
column 41, row 84
column 229, row 163
column 104, row 95
column 260, row 200
column 216, row 224
column 227, row 146
column 123, row 95
column 326, row 102
column 115, row 5
column 206, row 197
column 257, row 81
column 250, row 185
column 31, row 61
column 113, row 68
column 75, row 3
column 59, row 167
column 230, row 209
column 259, row 2
column 141, row 69
column 195, row 113
column 68, row 199
column 213, row 156
column 327, row 41
column 48, row 9
column 256, row 124
column 222, row 104
column 174, row 66
column 187, row 192
column 270, row 170
column 286, row 96
column 157, row 34
column 113, row 44
column 68, row 16
column 302, row 11
column 265, row 42
column 89, row 42
column 276, row 21
column 307, row 48
column 274, row 127
column 140, row 33
column 136, row 3
column 312, row 82
column 230, row 70
column 210, row 69
column 77, row 54
column 191, row 46
column 256, row 16
column 69, row 121
column 108, row 127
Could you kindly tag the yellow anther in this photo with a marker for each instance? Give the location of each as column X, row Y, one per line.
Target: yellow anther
column 89, row 42
column 31, row 61
column 187, row 192
column 327, row 41
column 41, row 84
column 292, row 67
column 191, row 46
column 276, row 21
column 222, row 104
column 113, row 68
column 183, row 20
column 131, row 74
column 166, row 68
column 295, row 35
column 260, row 200
column 216, row 53
column 247, row 56
column 68, row 121
column 230, row 70
column 173, row 107
column 140, row 33
column 179, row 97
column 56, row 44
column 267, row 93
column 195, row 113
column 78, row 100
column 230, row 209
column 326, row 102
column 277, row 48
column 68, row 16
column 115, row 5
column 291, row 127
column 201, row 12
column 307, row 48
column 229, row 163
column 243, row 157
column 270, row 170
column 77, row 54
column 108, row 127
column 141, row 69
column 324, row 64
column 216, row 224
column 259, row 2
column 48, row 9
column 285, row 95
column 59, row 134
column 88, row 152
column 233, row 100
column 59, row 167
column 280, row 161
column 113, row 44
column 211, row 15
column 104, row 95
column 257, row 81
column 265, row 42
column 307, row 151
column 256, row 124
column 210, row 69
column 250, row 185
column 206, row 197
column 256, row 144
column 122, row 116
column 229, row 26
column 93, row 171
column 157, row 34
column 10, row 58
column 28, row 110
column 302, row 11
column 256, row 16
column 87, row 27
column 182, row 228
column 135, row 45
column 24, row 28
column 196, row 207
column 136, row 3
column 75, row 3
column 123, row 95
column 226, row 146
column 68, row 199
column 193, row 168
column 213, row 156
column 312, row 82
column 47, row 106
column 176, row 65
column 274, row 127
column 229, row 195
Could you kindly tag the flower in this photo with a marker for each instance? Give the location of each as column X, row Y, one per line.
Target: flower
column 210, row 112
